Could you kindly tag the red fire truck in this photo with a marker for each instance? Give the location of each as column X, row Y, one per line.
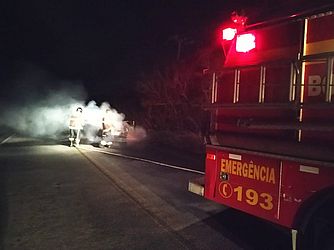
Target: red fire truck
column 271, row 147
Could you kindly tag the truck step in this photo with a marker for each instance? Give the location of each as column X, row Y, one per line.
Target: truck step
column 196, row 186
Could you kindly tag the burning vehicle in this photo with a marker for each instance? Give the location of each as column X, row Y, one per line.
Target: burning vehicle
column 119, row 134
column 114, row 128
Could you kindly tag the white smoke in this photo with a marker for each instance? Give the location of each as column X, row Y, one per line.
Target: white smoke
column 137, row 134
column 38, row 104
column 41, row 106
column 50, row 117
column 45, row 116
column 93, row 115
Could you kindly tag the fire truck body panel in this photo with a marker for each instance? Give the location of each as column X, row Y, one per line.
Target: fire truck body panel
column 263, row 185
column 269, row 46
column 270, row 150
column 285, row 100
column 313, row 180
column 320, row 35
column 303, row 130
column 246, row 182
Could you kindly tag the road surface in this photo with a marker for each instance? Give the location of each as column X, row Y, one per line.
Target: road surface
column 56, row 197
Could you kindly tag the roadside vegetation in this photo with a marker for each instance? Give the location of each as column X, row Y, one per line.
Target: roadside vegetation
column 174, row 98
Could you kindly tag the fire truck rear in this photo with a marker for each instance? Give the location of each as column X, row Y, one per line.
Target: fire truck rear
column 270, row 152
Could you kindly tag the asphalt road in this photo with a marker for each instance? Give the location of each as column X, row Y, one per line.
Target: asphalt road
column 56, row 197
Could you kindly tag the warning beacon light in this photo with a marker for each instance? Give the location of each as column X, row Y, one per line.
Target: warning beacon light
column 229, row 34
column 239, row 18
column 245, row 42
column 238, row 22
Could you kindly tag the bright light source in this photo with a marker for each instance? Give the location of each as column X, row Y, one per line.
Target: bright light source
column 238, row 19
column 210, row 156
column 245, row 42
column 229, row 33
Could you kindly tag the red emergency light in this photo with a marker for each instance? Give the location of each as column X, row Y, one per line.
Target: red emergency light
column 245, row 42
column 229, row 34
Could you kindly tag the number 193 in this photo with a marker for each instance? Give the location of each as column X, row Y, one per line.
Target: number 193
column 264, row 200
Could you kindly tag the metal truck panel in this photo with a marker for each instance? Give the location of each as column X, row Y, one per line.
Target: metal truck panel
column 317, row 112
column 246, row 182
column 286, row 101
column 270, row 45
column 301, row 182
column 270, row 188
column 272, row 133
column 320, row 34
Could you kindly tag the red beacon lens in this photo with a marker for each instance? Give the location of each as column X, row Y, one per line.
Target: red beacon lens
column 245, row 42
column 229, row 34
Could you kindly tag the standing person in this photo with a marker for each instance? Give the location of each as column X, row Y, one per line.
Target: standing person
column 75, row 126
column 107, row 128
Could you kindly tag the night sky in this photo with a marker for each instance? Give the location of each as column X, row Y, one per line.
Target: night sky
column 103, row 44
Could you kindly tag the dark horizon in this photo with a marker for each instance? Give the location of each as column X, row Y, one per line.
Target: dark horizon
column 106, row 45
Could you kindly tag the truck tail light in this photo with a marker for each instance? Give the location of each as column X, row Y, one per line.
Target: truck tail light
column 245, row 42
column 211, row 156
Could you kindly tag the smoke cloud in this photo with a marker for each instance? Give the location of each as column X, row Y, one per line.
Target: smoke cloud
column 40, row 105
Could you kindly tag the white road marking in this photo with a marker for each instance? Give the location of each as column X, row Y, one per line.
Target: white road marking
column 142, row 159
column 5, row 140
column 162, row 211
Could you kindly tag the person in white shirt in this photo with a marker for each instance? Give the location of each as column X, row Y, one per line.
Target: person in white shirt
column 75, row 126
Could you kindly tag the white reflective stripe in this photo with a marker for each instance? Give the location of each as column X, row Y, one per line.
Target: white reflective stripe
column 234, row 157
column 308, row 169
column 142, row 159
column 6, row 139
